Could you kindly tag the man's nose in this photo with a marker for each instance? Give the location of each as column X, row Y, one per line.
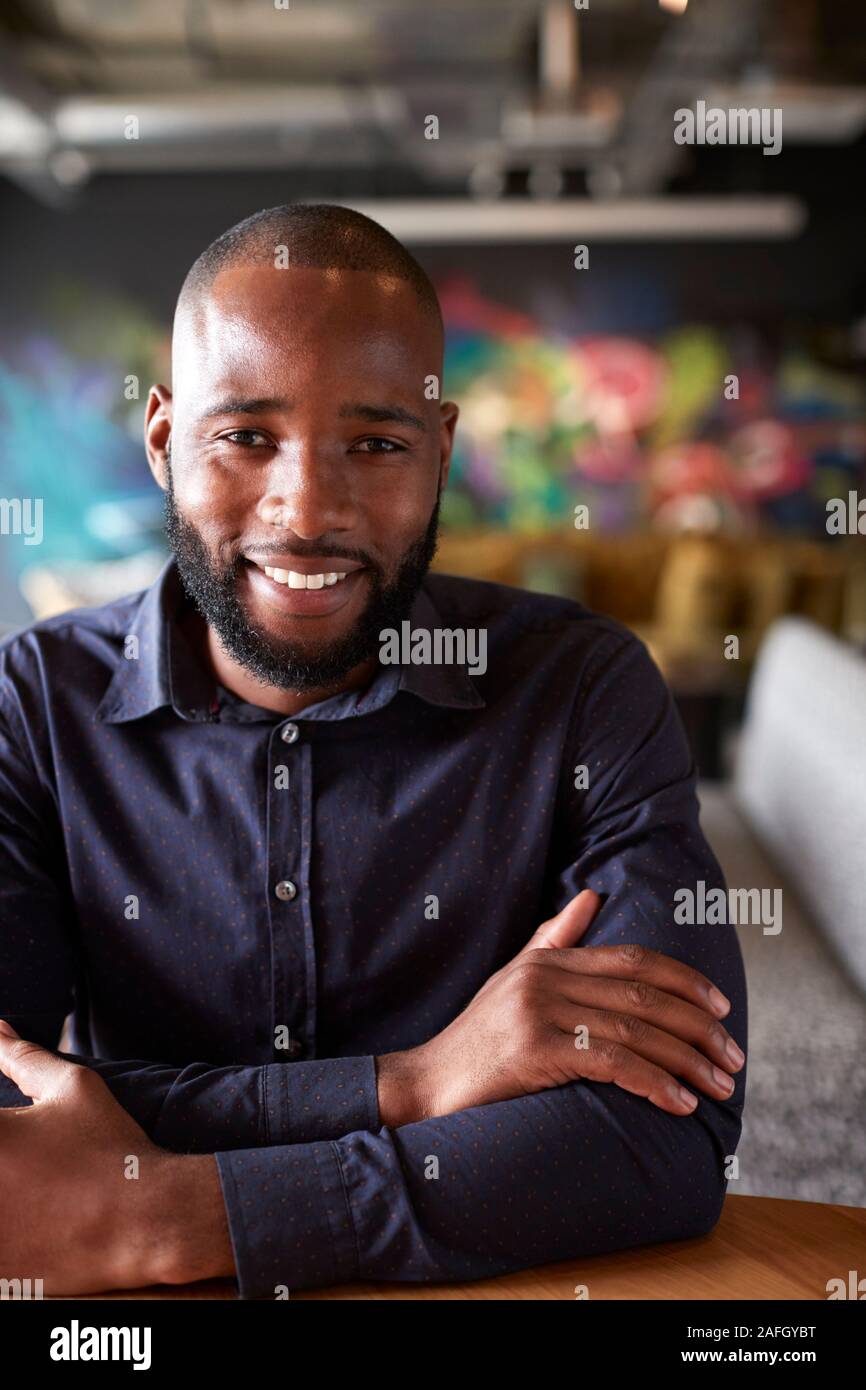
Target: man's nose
column 307, row 494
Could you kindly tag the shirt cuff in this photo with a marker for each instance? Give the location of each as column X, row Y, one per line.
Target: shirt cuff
column 288, row 1218
column 321, row 1099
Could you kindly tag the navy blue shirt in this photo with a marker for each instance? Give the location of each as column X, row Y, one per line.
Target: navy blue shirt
column 242, row 911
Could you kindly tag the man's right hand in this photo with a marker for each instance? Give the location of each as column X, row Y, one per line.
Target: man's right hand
column 649, row 1019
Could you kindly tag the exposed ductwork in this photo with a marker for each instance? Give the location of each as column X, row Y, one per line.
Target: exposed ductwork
column 539, row 89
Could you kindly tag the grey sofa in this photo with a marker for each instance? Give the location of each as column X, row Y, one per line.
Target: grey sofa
column 793, row 816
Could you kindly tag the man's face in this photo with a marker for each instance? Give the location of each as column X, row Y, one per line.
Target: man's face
column 301, row 440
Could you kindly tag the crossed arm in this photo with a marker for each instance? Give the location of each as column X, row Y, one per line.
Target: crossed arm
column 554, row 1158
column 579, row 1169
column 567, row 1169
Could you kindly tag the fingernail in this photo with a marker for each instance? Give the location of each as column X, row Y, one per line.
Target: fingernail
column 722, row 1080
column 688, row 1099
column 7, row 1029
column 736, row 1056
column 719, row 1003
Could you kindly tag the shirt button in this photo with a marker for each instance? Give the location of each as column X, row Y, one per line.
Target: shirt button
column 285, row 890
column 293, row 1049
column 290, row 733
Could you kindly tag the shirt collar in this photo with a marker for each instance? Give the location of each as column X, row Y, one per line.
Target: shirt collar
column 159, row 668
column 449, row 685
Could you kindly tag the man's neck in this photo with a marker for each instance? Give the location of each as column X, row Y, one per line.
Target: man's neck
column 235, row 677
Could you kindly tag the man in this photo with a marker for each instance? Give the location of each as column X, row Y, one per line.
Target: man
column 374, row 966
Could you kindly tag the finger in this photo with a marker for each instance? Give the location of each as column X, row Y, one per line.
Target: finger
column 35, row 1072
column 644, row 1040
column 569, row 925
column 646, row 1004
column 605, row 1060
column 633, row 962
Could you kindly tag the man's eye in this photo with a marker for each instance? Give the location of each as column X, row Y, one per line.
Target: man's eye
column 379, row 446
column 245, row 437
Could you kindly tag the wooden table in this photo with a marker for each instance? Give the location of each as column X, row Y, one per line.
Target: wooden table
column 762, row 1248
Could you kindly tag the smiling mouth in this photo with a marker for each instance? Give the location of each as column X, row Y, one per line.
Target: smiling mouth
column 294, row 580
column 296, row 593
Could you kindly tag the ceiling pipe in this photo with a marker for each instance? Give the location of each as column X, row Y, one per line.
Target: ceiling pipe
column 433, row 221
column 558, row 54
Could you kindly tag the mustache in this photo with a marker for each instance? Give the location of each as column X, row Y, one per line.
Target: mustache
column 311, row 551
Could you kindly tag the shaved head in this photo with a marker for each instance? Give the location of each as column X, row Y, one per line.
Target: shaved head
column 321, row 236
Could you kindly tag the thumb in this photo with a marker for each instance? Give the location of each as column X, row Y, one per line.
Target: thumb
column 569, row 925
column 36, row 1072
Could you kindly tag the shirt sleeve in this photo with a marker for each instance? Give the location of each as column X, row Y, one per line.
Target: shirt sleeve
column 580, row 1169
column 194, row 1109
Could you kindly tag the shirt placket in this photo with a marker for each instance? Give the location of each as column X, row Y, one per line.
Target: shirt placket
column 292, row 948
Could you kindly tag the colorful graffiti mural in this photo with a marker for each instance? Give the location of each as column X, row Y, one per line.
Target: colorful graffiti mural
column 641, row 431
column 72, row 390
column 644, row 432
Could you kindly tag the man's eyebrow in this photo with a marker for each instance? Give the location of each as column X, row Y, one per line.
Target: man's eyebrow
column 237, row 405
column 376, row 414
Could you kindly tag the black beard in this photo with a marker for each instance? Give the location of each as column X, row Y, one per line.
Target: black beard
column 285, row 665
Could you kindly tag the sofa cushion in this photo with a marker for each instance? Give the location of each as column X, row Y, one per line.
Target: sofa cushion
column 800, row 776
column 804, row 1121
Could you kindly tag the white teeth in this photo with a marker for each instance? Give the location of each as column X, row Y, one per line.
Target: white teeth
column 304, row 581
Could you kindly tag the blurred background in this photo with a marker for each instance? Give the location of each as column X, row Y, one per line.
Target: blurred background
column 696, row 380
column 493, row 138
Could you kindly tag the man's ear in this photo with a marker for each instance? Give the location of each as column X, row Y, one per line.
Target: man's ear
column 157, row 431
column 448, row 413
